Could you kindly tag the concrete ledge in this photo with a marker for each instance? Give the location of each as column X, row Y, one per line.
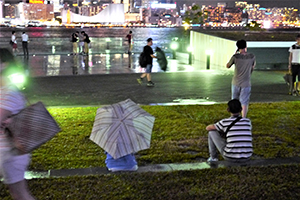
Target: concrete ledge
column 162, row 167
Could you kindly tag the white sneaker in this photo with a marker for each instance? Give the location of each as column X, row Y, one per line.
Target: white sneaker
column 116, row 169
column 210, row 159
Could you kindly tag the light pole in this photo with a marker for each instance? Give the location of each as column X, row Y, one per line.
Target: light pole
column 208, row 54
column 107, row 42
column 190, row 50
column 174, row 46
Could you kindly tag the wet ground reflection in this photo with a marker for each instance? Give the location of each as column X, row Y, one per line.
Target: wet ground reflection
column 108, row 63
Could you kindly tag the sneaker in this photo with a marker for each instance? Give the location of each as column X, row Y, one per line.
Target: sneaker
column 150, row 84
column 140, row 81
column 211, row 159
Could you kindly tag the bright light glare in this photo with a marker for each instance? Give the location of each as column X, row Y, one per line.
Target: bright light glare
column 208, row 52
column 190, row 49
column 174, row 46
column 17, row 79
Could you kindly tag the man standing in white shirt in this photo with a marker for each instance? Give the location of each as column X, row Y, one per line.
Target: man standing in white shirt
column 25, row 44
column 294, row 65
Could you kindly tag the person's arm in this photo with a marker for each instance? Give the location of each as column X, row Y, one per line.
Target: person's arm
column 253, row 66
column 211, row 127
column 290, row 61
column 153, row 56
column 230, row 62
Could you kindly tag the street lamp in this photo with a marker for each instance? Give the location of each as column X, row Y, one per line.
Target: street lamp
column 208, row 54
column 107, row 42
column 174, row 47
column 190, row 50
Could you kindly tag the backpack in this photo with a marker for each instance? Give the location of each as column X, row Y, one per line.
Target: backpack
column 143, row 60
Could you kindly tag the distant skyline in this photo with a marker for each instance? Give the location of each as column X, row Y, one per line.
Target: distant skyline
column 231, row 3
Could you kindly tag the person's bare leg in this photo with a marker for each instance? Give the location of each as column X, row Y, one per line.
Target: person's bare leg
column 244, row 110
column 143, row 75
column 20, row 191
column 148, row 77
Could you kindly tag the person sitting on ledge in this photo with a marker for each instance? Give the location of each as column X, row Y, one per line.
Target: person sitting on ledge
column 232, row 136
column 125, row 163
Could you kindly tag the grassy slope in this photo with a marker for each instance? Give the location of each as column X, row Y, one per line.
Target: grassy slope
column 179, row 135
column 178, row 131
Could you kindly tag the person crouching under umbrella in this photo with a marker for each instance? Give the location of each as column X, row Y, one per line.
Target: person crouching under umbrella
column 125, row 163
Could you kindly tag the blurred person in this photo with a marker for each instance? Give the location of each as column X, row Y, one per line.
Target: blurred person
column 125, row 163
column 86, row 41
column 148, row 53
column 75, row 40
column 12, row 164
column 232, row 137
column 241, row 82
column 294, row 65
column 25, row 45
column 129, row 38
column 14, row 42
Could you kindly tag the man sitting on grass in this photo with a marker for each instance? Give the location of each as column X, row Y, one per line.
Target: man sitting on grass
column 232, row 136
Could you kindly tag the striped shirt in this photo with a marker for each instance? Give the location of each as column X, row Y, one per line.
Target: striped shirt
column 11, row 100
column 238, row 138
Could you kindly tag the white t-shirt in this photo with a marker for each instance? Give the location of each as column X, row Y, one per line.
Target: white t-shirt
column 14, row 101
column 24, row 37
column 295, row 50
column 13, row 38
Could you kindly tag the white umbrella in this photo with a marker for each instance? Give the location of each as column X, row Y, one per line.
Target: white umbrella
column 122, row 128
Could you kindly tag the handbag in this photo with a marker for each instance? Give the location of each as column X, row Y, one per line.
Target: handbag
column 11, row 42
column 32, row 127
column 224, row 134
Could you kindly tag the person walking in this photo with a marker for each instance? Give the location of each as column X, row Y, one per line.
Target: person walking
column 12, row 101
column 25, row 45
column 86, row 41
column 129, row 38
column 14, row 42
column 75, row 40
column 294, row 65
column 232, row 136
column 241, row 84
column 148, row 53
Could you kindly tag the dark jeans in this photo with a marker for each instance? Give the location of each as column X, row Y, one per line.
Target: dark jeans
column 25, row 48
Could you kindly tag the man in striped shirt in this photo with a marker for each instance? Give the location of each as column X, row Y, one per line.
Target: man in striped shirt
column 236, row 144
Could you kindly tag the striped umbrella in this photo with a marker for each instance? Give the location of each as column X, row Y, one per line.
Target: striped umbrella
column 122, row 128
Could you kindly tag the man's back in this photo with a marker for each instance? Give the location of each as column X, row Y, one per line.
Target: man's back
column 243, row 69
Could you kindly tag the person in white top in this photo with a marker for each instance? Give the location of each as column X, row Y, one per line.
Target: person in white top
column 294, row 65
column 25, row 44
column 14, row 40
column 12, row 164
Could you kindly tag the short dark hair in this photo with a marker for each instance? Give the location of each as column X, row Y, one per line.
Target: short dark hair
column 13, row 32
column 130, row 31
column 23, row 32
column 241, row 44
column 234, row 106
column 82, row 32
column 149, row 39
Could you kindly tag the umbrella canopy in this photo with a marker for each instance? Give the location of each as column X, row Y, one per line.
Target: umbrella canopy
column 122, row 128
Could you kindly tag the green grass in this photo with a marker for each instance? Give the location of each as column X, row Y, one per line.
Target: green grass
column 273, row 182
column 179, row 135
